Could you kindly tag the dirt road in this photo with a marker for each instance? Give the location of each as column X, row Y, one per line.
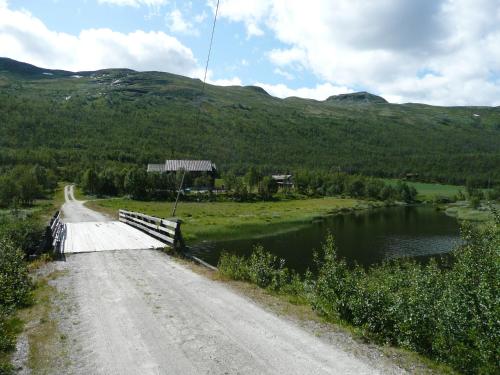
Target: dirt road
column 74, row 211
column 141, row 312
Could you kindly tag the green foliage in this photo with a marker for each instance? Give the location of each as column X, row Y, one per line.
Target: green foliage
column 18, row 237
column 24, row 233
column 314, row 183
column 230, row 180
column 447, row 310
column 15, row 290
column 136, row 183
column 23, row 184
column 267, row 187
column 148, row 117
column 14, row 281
column 263, row 269
column 6, row 369
column 494, row 194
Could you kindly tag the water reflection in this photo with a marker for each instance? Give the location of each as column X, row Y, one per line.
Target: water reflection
column 365, row 237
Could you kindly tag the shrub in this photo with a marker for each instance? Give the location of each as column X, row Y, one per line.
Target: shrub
column 14, row 281
column 233, row 267
column 26, row 234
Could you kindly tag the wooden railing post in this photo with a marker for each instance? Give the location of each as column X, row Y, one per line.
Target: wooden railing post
column 165, row 230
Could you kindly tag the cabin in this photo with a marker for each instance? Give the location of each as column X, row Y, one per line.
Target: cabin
column 283, row 180
column 194, row 169
column 410, row 176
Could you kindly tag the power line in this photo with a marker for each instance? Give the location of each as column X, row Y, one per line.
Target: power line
column 210, row 48
column 202, row 92
column 206, row 65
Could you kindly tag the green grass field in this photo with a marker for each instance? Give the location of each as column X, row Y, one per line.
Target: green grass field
column 232, row 220
column 428, row 191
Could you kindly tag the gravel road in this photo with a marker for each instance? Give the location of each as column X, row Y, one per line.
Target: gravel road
column 141, row 312
column 74, row 211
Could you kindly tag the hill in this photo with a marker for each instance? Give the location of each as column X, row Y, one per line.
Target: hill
column 68, row 120
column 357, row 98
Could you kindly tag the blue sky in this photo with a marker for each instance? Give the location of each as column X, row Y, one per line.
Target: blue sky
column 444, row 52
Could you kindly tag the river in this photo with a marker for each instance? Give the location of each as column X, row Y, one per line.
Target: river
column 366, row 237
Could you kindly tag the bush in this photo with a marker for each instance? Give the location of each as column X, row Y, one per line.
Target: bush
column 263, row 269
column 233, row 267
column 7, row 338
column 14, row 281
column 26, row 234
column 15, row 290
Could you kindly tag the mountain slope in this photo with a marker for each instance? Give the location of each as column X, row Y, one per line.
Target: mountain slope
column 67, row 120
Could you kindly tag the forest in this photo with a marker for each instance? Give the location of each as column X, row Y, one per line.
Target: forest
column 120, row 119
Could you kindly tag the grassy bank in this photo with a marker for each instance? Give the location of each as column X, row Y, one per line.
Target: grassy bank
column 21, row 236
column 232, row 220
column 46, row 345
column 463, row 211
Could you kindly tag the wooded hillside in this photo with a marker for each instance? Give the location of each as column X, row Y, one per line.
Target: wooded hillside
column 68, row 121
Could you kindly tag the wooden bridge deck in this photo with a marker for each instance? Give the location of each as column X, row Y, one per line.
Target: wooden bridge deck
column 105, row 236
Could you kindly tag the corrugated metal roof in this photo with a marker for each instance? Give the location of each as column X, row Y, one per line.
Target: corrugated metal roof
column 189, row 165
column 281, row 176
column 156, row 167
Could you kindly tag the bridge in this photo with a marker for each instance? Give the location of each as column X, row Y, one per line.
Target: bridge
column 77, row 229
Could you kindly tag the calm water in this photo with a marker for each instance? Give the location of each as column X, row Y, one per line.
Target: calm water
column 367, row 237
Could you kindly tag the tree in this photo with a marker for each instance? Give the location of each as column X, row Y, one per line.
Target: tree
column 8, row 191
column 267, row 187
column 356, row 187
column 406, row 193
column 230, row 180
column 374, row 188
column 90, row 181
column 387, row 193
column 252, row 178
column 28, row 187
column 136, row 183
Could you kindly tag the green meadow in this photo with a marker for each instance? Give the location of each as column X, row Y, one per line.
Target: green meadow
column 429, row 191
column 234, row 220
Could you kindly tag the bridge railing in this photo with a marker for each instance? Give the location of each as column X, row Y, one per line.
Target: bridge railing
column 168, row 231
column 58, row 230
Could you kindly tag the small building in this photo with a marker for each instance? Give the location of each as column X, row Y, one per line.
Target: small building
column 283, row 180
column 194, row 167
column 410, row 176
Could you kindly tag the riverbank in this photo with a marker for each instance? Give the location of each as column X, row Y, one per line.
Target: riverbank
column 463, row 211
column 235, row 220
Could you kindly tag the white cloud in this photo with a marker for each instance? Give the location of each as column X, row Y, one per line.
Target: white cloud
column 199, row 18
column 248, row 12
column 135, row 3
column 177, row 24
column 384, row 45
column 282, row 57
column 319, row 92
column 26, row 38
column 283, row 73
column 235, row 81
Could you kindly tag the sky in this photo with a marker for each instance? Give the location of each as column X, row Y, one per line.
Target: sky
column 440, row 52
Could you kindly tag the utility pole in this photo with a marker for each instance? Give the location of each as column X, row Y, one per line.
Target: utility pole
column 178, row 194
